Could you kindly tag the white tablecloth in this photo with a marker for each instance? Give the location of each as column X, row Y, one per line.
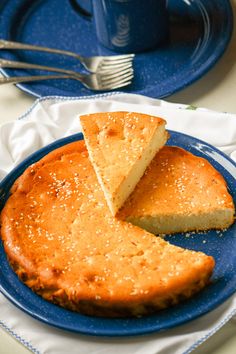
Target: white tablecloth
column 53, row 118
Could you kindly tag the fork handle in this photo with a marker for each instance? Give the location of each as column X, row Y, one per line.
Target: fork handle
column 21, row 65
column 21, row 79
column 16, row 45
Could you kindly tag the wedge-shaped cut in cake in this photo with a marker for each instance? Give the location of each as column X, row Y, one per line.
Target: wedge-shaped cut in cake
column 63, row 242
column 179, row 192
column 121, row 146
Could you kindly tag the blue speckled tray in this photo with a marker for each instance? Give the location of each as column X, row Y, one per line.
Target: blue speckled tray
column 199, row 33
column 220, row 245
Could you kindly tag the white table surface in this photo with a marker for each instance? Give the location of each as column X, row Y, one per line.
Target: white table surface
column 216, row 90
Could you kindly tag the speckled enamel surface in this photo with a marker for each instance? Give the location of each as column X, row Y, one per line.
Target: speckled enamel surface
column 198, row 35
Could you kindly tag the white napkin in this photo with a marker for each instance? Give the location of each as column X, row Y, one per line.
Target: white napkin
column 56, row 117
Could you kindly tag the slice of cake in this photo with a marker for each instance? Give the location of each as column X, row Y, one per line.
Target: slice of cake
column 121, row 146
column 63, row 242
column 179, row 192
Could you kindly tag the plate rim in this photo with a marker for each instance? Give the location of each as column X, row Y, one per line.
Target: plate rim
column 35, row 156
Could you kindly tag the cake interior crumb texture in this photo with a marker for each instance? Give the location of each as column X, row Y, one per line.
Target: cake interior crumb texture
column 179, row 192
column 121, row 145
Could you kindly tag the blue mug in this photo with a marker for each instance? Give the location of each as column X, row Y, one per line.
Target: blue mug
column 127, row 25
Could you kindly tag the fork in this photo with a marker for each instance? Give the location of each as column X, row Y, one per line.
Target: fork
column 98, row 82
column 105, row 80
column 93, row 64
column 4, row 63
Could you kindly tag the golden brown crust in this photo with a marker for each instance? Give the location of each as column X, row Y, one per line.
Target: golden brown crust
column 64, row 244
column 178, row 185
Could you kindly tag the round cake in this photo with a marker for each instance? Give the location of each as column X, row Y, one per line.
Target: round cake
column 63, row 242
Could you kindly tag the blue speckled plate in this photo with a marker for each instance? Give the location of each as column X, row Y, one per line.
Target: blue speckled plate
column 199, row 33
column 220, row 245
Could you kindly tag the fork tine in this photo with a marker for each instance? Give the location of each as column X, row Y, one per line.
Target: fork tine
column 116, row 62
column 116, row 76
column 119, row 56
column 116, row 71
column 110, row 85
column 117, row 81
column 110, row 68
column 111, row 76
column 122, row 56
column 122, row 81
column 123, row 84
column 118, row 85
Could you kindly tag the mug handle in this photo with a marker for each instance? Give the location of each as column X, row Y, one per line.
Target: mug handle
column 75, row 5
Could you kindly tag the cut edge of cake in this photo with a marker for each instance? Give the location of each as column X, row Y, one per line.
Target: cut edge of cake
column 198, row 193
column 172, row 224
column 116, row 198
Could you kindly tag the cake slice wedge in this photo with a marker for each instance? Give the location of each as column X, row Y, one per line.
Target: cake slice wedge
column 179, row 192
column 121, row 146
